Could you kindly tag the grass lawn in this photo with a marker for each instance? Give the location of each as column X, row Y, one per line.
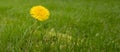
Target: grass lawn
column 73, row 26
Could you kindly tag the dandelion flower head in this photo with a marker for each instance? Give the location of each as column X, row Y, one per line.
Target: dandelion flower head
column 40, row 13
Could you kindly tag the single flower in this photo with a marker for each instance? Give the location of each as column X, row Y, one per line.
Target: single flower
column 40, row 13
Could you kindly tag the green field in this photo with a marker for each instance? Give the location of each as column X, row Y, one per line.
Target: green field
column 73, row 26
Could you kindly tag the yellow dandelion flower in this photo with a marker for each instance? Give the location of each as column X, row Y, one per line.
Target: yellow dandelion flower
column 40, row 13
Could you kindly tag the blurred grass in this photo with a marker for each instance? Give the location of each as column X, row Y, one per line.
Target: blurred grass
column 94, row 26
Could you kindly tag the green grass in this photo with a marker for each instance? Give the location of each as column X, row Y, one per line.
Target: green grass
column 73, row 26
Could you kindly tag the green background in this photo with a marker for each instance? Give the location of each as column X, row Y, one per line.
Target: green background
column 94, row 26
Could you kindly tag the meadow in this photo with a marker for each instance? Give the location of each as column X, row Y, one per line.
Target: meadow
column 73, row 26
